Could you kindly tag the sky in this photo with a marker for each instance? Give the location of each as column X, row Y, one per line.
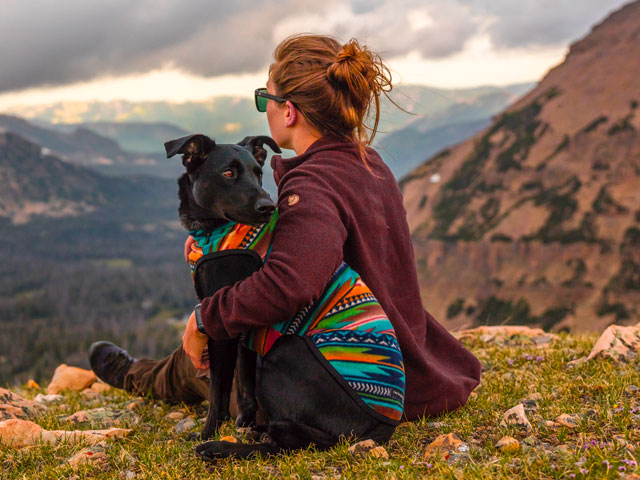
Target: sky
column 190, row 50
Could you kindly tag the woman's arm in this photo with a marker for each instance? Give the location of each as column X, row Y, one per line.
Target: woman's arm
column 307, row 248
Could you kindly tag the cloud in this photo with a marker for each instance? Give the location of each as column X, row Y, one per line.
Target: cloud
column 55, row 43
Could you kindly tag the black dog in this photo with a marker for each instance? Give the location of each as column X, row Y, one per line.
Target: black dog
column 223, row 183
column 304, row 399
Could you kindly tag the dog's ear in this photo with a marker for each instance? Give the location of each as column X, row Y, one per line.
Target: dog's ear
column 255, row 146
column 194, row 149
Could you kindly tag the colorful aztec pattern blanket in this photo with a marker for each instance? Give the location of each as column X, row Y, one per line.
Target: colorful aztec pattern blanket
column 347, row 325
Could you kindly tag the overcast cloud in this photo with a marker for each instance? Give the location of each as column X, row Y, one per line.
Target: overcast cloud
column 53, row 43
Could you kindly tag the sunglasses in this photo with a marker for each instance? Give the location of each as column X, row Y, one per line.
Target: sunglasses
column 262, row 98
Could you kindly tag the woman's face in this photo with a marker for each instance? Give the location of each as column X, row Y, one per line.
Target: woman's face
column 276, row 118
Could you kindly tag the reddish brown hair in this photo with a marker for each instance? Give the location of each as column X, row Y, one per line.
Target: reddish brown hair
column 336, row 87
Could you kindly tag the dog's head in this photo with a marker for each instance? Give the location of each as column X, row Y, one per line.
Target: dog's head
column 222, row 182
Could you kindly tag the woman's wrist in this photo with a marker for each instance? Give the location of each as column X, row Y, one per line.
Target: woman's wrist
column 199, row 324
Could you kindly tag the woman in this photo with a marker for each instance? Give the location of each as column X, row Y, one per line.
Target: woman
column 337, row 201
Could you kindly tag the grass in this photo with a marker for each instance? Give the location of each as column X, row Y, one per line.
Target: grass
column 596, row 390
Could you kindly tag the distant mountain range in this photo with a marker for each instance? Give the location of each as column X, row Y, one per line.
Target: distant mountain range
column 536, row 219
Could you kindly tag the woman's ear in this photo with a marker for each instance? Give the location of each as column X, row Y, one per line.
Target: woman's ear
column 291, row 115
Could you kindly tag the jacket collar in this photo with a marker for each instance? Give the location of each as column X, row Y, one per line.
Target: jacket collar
column 281, row 165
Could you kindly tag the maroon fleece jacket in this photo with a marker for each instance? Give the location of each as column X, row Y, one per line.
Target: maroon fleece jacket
column 332, row 208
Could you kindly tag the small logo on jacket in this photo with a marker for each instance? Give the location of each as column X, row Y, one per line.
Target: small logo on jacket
column 293, row 199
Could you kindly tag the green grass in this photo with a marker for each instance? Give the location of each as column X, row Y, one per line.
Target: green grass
column 595, row 390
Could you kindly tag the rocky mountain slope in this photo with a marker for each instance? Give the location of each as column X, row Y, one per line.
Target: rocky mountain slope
column 537, row 218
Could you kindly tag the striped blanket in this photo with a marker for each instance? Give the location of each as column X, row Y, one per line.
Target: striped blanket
column 346, row 323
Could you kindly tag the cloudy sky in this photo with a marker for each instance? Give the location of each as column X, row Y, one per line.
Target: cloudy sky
column 194, row 49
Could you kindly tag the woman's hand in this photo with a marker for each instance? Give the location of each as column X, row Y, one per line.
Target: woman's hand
column 187, row 247
column 194, row 344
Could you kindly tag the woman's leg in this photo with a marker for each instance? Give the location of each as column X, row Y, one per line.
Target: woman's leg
column 173, row 379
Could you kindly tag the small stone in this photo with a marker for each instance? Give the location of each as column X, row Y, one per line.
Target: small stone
column 379, row 452
column 100, row 387
column 32, row 384
column 620, row 440
column 185, row 425
column 549, row 424
column 435, row 425
column 229, row 438
column 90, row 394
column 516, row 416
column 569, row 420
column 530, row 441
column 134, row 404
column 48, row 399
column 631, row 391
column 94, row 454
column 128, row 475
column 361, row 449
column 174, row 416
column 508, row 444
column 70, row 378
column 446, row 445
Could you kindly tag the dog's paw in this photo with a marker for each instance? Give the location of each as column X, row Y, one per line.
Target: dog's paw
column 215, row 450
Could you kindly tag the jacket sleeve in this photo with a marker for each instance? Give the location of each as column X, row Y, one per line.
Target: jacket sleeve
column 307, row 248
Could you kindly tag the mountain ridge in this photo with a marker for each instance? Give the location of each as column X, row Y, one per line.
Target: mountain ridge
column 544, row 204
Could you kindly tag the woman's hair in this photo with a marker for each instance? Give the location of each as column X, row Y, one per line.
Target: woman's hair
column 336, row 87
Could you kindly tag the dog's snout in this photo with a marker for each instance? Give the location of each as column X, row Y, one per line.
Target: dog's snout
column 265, row 206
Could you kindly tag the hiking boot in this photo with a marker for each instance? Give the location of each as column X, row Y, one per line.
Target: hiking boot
column 110, row 362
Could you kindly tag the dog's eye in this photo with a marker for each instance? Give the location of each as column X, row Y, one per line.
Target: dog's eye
column 228, row 173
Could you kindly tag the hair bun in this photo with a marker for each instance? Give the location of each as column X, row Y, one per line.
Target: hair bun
column 352, row 63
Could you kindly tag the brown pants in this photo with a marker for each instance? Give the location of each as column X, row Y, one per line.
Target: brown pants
column 173, row 379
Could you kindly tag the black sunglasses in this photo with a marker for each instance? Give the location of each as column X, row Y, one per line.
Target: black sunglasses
column 262, row 98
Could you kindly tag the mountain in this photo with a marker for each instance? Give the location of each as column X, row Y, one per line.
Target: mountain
column 141, row 137
column 536, row 219
column 84, row 257
column 406, row 147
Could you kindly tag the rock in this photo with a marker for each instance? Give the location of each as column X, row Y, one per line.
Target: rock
column 379, row 452
column 18, row 433
column 128, row 475
column 516, row 416
column 104, row 417
column 90, row 394
column 509, row 335
column 134, row 404
column 48, row 399
column 31, row 383
column 70, row 378
column 185, row 425
column 508, row 445
column 435, row 425
column 618, row 343
column 446, row 445
column 630, row 391
column 365, row 448
column 13, row 405
column 174, row 416
column 100, row 387
column 229, row 438
column 569, row 420
column 94, row 454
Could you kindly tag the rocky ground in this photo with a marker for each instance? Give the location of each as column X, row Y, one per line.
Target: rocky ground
column 548, row 406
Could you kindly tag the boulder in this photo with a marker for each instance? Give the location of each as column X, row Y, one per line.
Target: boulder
column 18, row 433
column 70, row 378
column 618, row 343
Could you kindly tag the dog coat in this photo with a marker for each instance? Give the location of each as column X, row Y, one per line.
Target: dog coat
column 346, row 325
